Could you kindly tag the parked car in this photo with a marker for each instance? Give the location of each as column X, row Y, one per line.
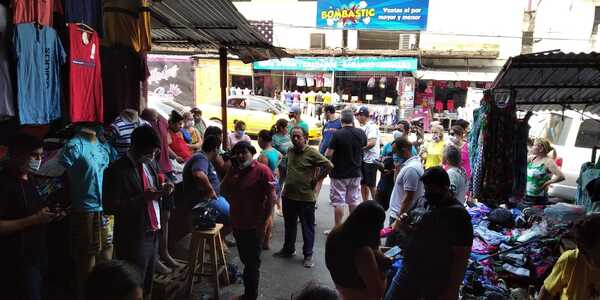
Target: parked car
column 164, row 108
column 257, row 112
column 573, row 136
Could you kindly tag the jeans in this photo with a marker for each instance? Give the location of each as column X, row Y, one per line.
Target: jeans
column 144, row 259
column 292, row 210
column 248, row 244
column 404, row 287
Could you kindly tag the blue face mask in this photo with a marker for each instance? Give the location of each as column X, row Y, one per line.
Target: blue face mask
column 241, row 132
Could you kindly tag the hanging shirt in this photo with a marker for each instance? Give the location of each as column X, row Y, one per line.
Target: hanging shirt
column 7, row 104
column 88, row 12
column 85, row 162
column 39, row 55
column 29, row 11
column 85, row 76
column 127, row 23
column 122, row 72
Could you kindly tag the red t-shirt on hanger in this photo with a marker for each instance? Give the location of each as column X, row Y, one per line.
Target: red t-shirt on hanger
column 85, row 76
column 29, row 11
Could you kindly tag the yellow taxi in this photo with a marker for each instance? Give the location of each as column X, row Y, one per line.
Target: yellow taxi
column 257, row 113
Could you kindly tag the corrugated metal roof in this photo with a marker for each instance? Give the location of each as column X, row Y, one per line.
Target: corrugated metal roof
column 209, row 23
column 553, row 80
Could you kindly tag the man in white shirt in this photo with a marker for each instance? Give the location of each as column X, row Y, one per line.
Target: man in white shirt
column 371, row 154
column 408, row 187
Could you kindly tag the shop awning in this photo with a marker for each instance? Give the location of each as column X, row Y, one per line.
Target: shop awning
column 201, row 24
column 450, row 75
column 552, row 80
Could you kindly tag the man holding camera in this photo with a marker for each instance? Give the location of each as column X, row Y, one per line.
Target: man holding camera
column 250, row 188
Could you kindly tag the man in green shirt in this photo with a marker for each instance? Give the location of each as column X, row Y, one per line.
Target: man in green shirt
column 305, row 167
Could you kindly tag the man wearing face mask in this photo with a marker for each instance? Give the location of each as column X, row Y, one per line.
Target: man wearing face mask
column 23, row 217
column 408, row 187
column 438, row 247
column 250, row 188
column 132, row 190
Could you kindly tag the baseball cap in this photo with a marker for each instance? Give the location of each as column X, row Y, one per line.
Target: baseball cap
column 436, row 175
column 363, row 110
column 329, row 109
column 295, row 109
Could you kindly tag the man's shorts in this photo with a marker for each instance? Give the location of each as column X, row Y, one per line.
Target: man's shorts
column 345, row 191
column 90, row 232
column 369, row 174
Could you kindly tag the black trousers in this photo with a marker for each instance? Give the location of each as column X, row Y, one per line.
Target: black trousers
column 144, row 258
column 292, row 210
column 248, row 243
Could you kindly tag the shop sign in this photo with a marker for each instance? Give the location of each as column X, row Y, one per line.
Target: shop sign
column 373, row 14
column 171, row 78
column 383, row 64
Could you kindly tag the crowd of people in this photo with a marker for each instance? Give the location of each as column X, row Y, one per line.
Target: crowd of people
column 122, row 191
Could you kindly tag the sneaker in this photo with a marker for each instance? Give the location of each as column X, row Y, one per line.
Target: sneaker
column 284, row 254
column 326, row 232
column 308, row 262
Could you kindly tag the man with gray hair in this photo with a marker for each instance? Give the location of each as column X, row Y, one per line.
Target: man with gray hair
column 345, row 152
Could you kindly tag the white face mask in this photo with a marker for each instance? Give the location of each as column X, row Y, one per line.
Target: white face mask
column 245, row 164
column 412, row 137
column 453, row 140
column 189, row 124
column 34, row 164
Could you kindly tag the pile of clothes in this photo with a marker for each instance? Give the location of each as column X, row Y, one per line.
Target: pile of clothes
column 514, row 248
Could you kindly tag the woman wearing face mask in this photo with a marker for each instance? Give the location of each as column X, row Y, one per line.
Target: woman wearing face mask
column 239, row 134
column 434, row 150
column 190, row 134
column 457, row 138
column 281, row 142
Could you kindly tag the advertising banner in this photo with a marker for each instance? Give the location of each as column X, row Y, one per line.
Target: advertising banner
column 383, row 64
column 171, row 78
column 373, row 14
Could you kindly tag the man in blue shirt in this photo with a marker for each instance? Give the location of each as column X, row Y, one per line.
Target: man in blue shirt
column 331, row 126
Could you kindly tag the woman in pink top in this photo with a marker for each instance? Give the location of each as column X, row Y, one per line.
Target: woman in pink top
column 457, row 137
column 239, row 134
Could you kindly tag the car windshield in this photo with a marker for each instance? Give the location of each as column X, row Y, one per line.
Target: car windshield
column 554, row 127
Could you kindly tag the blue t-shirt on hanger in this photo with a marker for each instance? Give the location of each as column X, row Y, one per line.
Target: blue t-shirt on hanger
column 39, row 54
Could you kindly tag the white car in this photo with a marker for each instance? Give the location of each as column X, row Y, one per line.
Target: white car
column 573, row 136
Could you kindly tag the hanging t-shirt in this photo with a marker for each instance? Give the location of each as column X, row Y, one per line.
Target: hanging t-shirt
column 127, row 23
column 122, row 71
column 39, row 55
column 85, row 90
column 88, row 12
column 29, row 11
column 7, row 104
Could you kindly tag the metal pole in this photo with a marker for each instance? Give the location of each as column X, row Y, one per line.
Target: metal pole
column 282, row 82
column 223, row 82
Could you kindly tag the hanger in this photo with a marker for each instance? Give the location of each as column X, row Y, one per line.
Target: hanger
column 85, row 28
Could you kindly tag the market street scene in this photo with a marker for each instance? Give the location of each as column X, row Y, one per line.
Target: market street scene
column 299, row 149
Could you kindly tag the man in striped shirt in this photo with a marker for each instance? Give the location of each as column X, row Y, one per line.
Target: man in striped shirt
column 122, row 127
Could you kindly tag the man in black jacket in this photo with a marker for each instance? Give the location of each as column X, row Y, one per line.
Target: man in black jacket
column 131, row 190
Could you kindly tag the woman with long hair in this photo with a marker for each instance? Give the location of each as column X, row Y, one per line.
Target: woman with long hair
column 352, row 254
column 433, row 151
column 281, row 141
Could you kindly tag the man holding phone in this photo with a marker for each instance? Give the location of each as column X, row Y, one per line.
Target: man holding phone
column 132, row 190
column 23, row 217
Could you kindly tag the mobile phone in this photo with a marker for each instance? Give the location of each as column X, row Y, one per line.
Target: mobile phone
column 395, row 251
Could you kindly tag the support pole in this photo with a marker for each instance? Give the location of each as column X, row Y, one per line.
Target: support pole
column 223, row 82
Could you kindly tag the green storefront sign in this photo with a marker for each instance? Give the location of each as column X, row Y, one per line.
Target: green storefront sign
column 381, row 64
